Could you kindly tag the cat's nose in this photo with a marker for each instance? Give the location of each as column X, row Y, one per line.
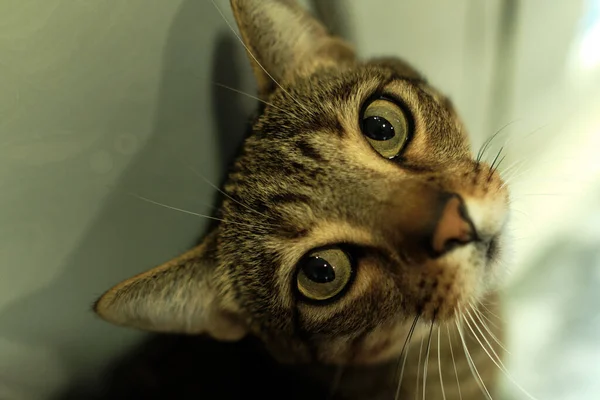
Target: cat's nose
column 453, row 228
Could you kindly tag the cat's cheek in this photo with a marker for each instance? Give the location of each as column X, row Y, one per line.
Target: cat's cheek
column 498, row 272
column 382, row 344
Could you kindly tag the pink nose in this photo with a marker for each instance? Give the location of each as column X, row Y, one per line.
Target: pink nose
column 454, row 227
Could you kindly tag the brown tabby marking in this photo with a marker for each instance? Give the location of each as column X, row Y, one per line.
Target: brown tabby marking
column 306, row 178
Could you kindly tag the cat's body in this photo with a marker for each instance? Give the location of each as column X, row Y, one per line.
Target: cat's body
column 196, row 367
column 354, row 220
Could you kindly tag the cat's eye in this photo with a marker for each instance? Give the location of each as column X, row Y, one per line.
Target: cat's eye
column 324, row 273
column 385, row 126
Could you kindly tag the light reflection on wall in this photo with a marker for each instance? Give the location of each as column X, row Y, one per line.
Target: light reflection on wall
column 589, row 47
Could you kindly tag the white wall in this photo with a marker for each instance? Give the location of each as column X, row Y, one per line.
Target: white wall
column 100, row 98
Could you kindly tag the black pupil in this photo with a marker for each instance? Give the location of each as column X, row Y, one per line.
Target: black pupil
column 318, row 270
column 378, row 128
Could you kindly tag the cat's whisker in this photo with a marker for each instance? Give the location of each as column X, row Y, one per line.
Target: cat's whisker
column 404, row 358
column 426, row 364
column 495, row 159
column 419, row 368
column 454, row 363
column 207, row 181
column 538, row 129
column 189, row 212
column 515, row 165
column 525, row 214
column 471, row 363
column 404, row 351
column 480, row 316
column 544, row 194
column 439, row 357
column 491, row 303
column 489, row 140
column 514, row 170
column 256, row 59
column 512, row 208
column 227, row 195
column 513, row 178
column 516, row 173
column 256, row 98
column 490, row 311
column 480, row 313
column 499, row 163
column 485, row 338
column 506, row 145
column 497, row 362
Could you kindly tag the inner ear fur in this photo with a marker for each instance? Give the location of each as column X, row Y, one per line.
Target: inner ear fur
column 180, row 296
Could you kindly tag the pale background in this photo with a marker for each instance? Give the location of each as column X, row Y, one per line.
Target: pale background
column 100, row 99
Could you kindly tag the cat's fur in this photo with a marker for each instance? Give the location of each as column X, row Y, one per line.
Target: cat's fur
column 306, row 178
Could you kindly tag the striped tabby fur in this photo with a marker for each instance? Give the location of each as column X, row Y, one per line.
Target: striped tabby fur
column 306, row 178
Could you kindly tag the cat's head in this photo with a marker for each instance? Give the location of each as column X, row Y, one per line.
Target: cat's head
column 354, row 207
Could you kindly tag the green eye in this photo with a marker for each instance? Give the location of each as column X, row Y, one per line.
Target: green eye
column 323, row 274
column 385, row 126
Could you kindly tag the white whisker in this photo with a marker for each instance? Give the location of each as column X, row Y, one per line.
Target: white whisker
column 255, row 59
column 479, row 316
column 472, row 365
column 189, row 212
column 426, row 364
column 512, row 169
column 496, row 360
column 419, row 368
column 479, row 312
column 499, row 364
column 405, row 346
column 206, row 180
column 454, row 363
column 488, row 142
column 226, row 195
column 490, row 311
column 440, row 363
column 513, row 179
column 257, row 99
column 401, row 374
column 539, row 129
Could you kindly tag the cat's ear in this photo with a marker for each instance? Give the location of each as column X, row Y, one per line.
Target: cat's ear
column 179, row 297
column 282, row 38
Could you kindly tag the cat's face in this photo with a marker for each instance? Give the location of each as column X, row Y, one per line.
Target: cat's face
column 312, row 183
column 354, row 207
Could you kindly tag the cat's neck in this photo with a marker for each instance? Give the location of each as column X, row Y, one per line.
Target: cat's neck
column 245, row 370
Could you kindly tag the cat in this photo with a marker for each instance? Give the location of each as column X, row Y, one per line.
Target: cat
column 359, row 239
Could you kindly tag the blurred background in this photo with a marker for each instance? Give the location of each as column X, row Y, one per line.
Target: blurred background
column 102, row 99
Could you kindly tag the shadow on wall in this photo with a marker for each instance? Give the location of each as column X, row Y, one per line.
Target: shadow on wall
column 129, row 236
column 168, row 366
column 332, row 14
